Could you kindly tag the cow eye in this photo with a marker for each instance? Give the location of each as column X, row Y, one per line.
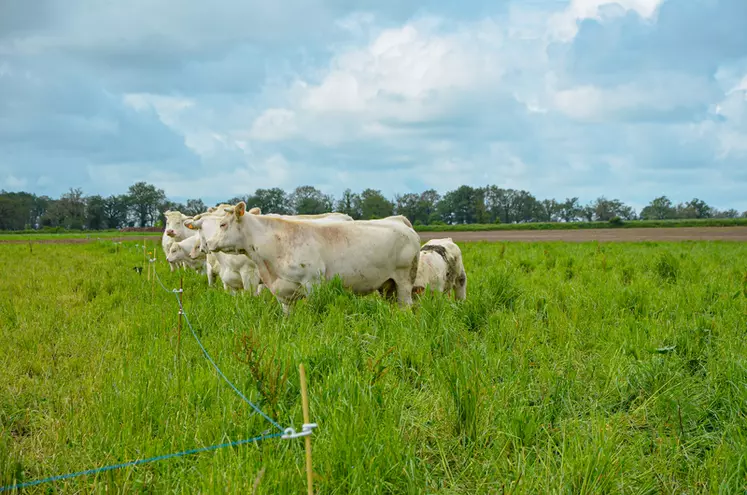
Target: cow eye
column 223, row 225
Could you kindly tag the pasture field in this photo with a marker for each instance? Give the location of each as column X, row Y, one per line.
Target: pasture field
column 571, row 368
column 94, row 234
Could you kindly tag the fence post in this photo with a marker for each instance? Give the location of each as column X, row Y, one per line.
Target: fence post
column 179, row 323
column 307, row 439
column 153, row 278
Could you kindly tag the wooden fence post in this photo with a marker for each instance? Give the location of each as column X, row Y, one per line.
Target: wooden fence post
column 307, row 439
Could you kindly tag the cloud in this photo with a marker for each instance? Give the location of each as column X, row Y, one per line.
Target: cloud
column 564, row 25
column 626, row 98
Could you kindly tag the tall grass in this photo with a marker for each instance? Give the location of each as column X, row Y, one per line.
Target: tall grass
column 60, row 233
column 571, row 368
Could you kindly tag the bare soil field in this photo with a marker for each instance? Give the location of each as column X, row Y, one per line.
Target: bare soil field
column 601, row 235
column 581, row 235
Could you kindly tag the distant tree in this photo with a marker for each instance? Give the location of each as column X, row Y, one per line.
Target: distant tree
column 375, row 205
column 500, row 204
column 730, row 213
column 464, row 205
column 95, row 218
column 428, row 206
column 19, row 210
column 350, row 204
column 587, row 212
column 145, row 201
column 695, row 208
column 194, row 207
column 418, row 208
column 550, row 210
column 235, row 200
column 308, row 200
column 605, row 209
column 273, row 200
column 115, row 210
column 407, row 205
column 660, row 208
column 71, row 210
column 569, row 210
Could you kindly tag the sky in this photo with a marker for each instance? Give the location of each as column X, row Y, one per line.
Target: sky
column 629, row 99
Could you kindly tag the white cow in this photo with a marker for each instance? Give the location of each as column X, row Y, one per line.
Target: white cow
column 174, row 232
column 440, row 267
column 179, row 253
column 294, row 255
column 238, row 267
column 236, row 271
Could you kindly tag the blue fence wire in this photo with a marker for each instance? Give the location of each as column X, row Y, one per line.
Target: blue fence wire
column 137, row 462
column 210, row 359
column 283, row 431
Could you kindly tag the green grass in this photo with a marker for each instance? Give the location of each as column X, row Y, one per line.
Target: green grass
column 571, row 368
column 103, row 234
column 628, row 224
column 654, row 224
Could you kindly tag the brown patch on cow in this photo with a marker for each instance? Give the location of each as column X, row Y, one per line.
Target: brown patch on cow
column 414, row 268
column 450, row 263
column 436, row 248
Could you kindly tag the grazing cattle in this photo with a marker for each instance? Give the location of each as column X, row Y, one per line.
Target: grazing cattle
column 179, row 253
column 236, row 271
column 294, row 255
column 174, row 232
column 238, row 267
column 440, row 267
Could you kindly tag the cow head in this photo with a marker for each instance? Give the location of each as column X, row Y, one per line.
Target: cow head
column 229, row 236
column 174, row 224
column 175, row 253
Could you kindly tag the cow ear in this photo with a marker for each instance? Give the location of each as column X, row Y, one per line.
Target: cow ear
column 189, row 224
column 255, row 211
column 240, row 209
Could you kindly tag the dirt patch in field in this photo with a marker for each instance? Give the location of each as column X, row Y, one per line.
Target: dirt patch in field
column 601, row 235
column 580, row 235
column 82, row 240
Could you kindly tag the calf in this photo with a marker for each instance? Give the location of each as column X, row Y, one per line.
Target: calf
column 440, row 267
column 179, row 253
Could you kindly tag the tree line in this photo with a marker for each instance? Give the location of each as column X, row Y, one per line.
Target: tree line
column 143, row 205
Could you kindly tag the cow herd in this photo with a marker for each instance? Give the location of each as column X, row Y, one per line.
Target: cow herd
column 290, row 254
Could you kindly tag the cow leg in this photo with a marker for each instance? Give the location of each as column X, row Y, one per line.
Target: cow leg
column 460, row 288
column 404, row 278
column 404, row 285
column 286, row 307
column 250, row 280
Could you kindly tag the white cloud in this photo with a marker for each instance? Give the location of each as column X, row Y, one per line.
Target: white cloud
column 649, row 94
column 564, row 25
column 14, row 183
column 168, row 108
column 274, row 124
column 407, row 74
